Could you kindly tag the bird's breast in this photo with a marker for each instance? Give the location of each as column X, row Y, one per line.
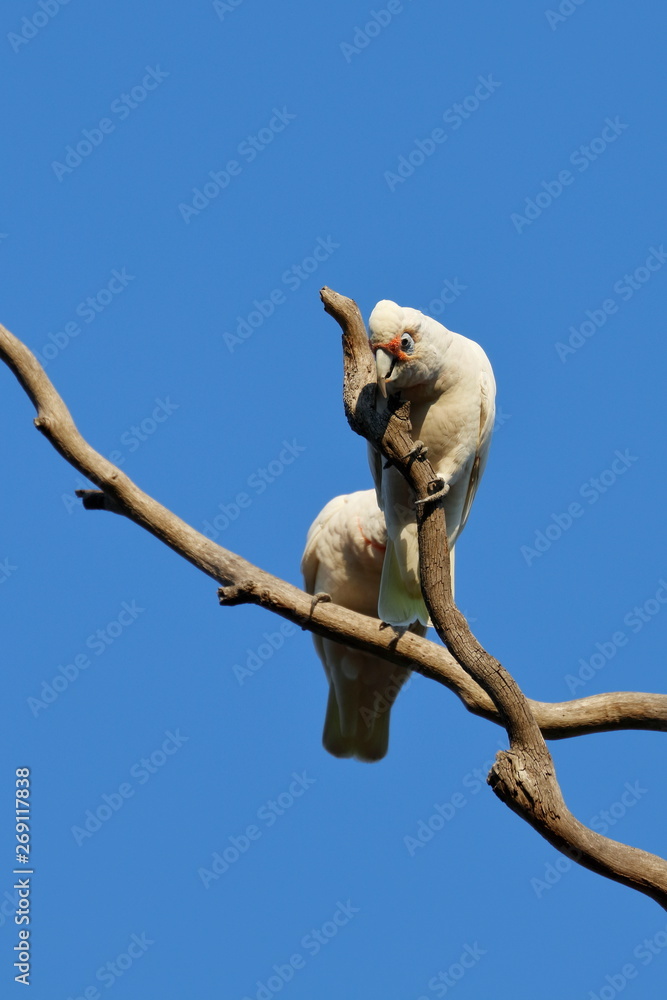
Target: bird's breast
column 449, row 427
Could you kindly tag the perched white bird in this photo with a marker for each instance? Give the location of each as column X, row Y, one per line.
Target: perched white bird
column 343, row 558
column 449, row 382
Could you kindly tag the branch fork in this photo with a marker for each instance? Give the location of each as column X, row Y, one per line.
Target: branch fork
column 525, row 776
column 522, row 777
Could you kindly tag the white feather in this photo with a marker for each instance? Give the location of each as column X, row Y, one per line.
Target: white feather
column 344, row 558
column 449, row 382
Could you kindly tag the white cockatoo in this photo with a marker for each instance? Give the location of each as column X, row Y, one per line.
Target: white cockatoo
column 449, row 382
column 343, row 558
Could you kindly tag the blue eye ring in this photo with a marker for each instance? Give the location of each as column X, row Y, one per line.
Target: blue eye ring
column 407, row 343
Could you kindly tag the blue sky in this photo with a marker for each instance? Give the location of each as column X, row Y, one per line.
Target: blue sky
column 179, row 181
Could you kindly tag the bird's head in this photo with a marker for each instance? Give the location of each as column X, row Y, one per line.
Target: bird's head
column 408, row 346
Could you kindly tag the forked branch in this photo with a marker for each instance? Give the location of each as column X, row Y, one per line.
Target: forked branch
column 523, row 776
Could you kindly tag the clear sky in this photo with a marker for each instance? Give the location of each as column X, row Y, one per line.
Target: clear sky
column 179, row 181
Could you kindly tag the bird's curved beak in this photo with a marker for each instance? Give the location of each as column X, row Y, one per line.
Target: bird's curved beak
column 384, row 366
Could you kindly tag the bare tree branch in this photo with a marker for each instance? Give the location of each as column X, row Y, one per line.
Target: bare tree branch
column 558, row 720
column 524, row 775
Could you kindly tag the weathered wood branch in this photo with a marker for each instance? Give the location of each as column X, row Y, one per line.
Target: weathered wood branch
column 243, row 582
column 557, row 720
column 523, row 777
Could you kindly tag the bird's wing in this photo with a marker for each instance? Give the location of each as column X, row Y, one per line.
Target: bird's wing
column 342, row 559
column 487, row 413
column 311, row 556
column 375, row 461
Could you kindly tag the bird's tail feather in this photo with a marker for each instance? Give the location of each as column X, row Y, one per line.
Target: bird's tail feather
column 358, row 710
column 399, row 603
column 368, row 741
column 333, row 738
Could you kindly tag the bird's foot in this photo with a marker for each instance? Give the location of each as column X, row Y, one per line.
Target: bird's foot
column 92, row 499
column 419, row 451
column 437, row 489
column 320, row 598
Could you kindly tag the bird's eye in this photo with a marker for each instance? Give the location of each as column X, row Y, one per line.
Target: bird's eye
column 407, row 343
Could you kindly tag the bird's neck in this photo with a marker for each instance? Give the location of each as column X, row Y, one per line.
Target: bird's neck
column 422, row 392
